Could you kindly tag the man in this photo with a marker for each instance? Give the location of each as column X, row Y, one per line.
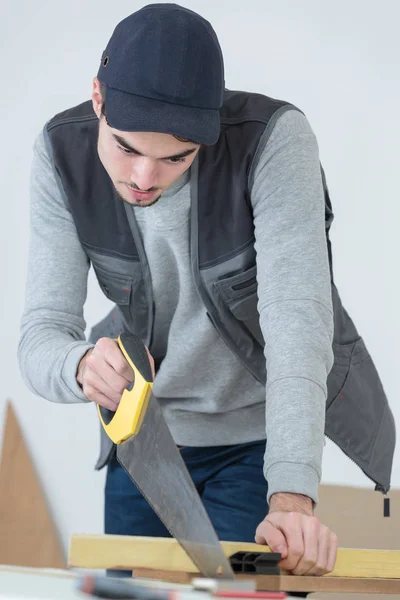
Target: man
column 205, row 215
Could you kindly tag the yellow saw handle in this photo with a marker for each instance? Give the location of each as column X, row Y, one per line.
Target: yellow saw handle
column 128, row 418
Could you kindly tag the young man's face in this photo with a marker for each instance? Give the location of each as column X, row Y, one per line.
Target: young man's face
column 141, row 165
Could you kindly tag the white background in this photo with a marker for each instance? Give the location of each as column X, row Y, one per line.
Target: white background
column 338, row 61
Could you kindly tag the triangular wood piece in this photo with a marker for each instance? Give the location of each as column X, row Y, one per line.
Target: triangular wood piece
column 27, row 533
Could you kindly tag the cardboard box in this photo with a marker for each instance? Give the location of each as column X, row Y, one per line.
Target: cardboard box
column 356, row 515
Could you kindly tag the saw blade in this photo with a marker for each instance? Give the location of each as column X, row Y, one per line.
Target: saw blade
column 155, row 465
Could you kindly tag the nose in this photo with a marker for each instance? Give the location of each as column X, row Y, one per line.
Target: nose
column 144, row 173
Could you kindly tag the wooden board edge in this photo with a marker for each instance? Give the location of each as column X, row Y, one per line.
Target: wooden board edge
column 357, row 585
column 165, row 554
column 289, row 583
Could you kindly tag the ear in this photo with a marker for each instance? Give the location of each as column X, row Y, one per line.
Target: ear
column 97, row 100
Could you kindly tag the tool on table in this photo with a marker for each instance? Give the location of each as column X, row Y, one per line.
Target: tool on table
column 114, row 589
column 147, row 451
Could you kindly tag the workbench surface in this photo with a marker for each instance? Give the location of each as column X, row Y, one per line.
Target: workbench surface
column 20, row 583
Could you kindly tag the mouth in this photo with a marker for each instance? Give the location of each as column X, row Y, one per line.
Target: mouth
column 138, row 195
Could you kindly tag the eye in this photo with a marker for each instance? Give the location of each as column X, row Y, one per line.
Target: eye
column 175, row 161
column 124, row 150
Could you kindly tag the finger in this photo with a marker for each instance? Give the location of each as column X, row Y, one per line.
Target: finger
column 320, row 564
column 117, row 360
column 332, row 553
column 310, row 531
column 110, row 351
column 95, row 382
column 98, row 398
column 270, row 535
column 151, row 360
column 321, row 567
column 102, row 400
column 96, row 363
column 291, row 527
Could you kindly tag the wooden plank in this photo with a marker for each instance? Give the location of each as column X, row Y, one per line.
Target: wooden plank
column 290, row 583
column 128, row 552
column 28, row 534
column 180, row 577
column 358, row 585
column 165, row 554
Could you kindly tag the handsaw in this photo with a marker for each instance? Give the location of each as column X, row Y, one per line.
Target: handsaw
column 146, row 450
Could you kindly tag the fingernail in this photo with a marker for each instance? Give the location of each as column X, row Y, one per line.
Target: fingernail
column 281, row 549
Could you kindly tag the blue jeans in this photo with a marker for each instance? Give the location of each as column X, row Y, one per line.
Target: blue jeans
column 230, row 482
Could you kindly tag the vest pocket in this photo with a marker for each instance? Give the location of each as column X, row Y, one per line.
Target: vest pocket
column 117, row 277
column 340, row 370
column 239, row 295
column 116, row 287
column 238, row 286
column 121, row 280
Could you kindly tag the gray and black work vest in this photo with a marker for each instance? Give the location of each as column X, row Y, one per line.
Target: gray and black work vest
column 358, row 417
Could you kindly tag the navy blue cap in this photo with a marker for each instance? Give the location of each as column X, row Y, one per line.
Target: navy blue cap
column 163, row 71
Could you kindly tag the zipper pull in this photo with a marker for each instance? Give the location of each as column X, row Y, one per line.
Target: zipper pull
column 386, row 507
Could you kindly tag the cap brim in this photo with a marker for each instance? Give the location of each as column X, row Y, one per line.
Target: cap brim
column 127, row 112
